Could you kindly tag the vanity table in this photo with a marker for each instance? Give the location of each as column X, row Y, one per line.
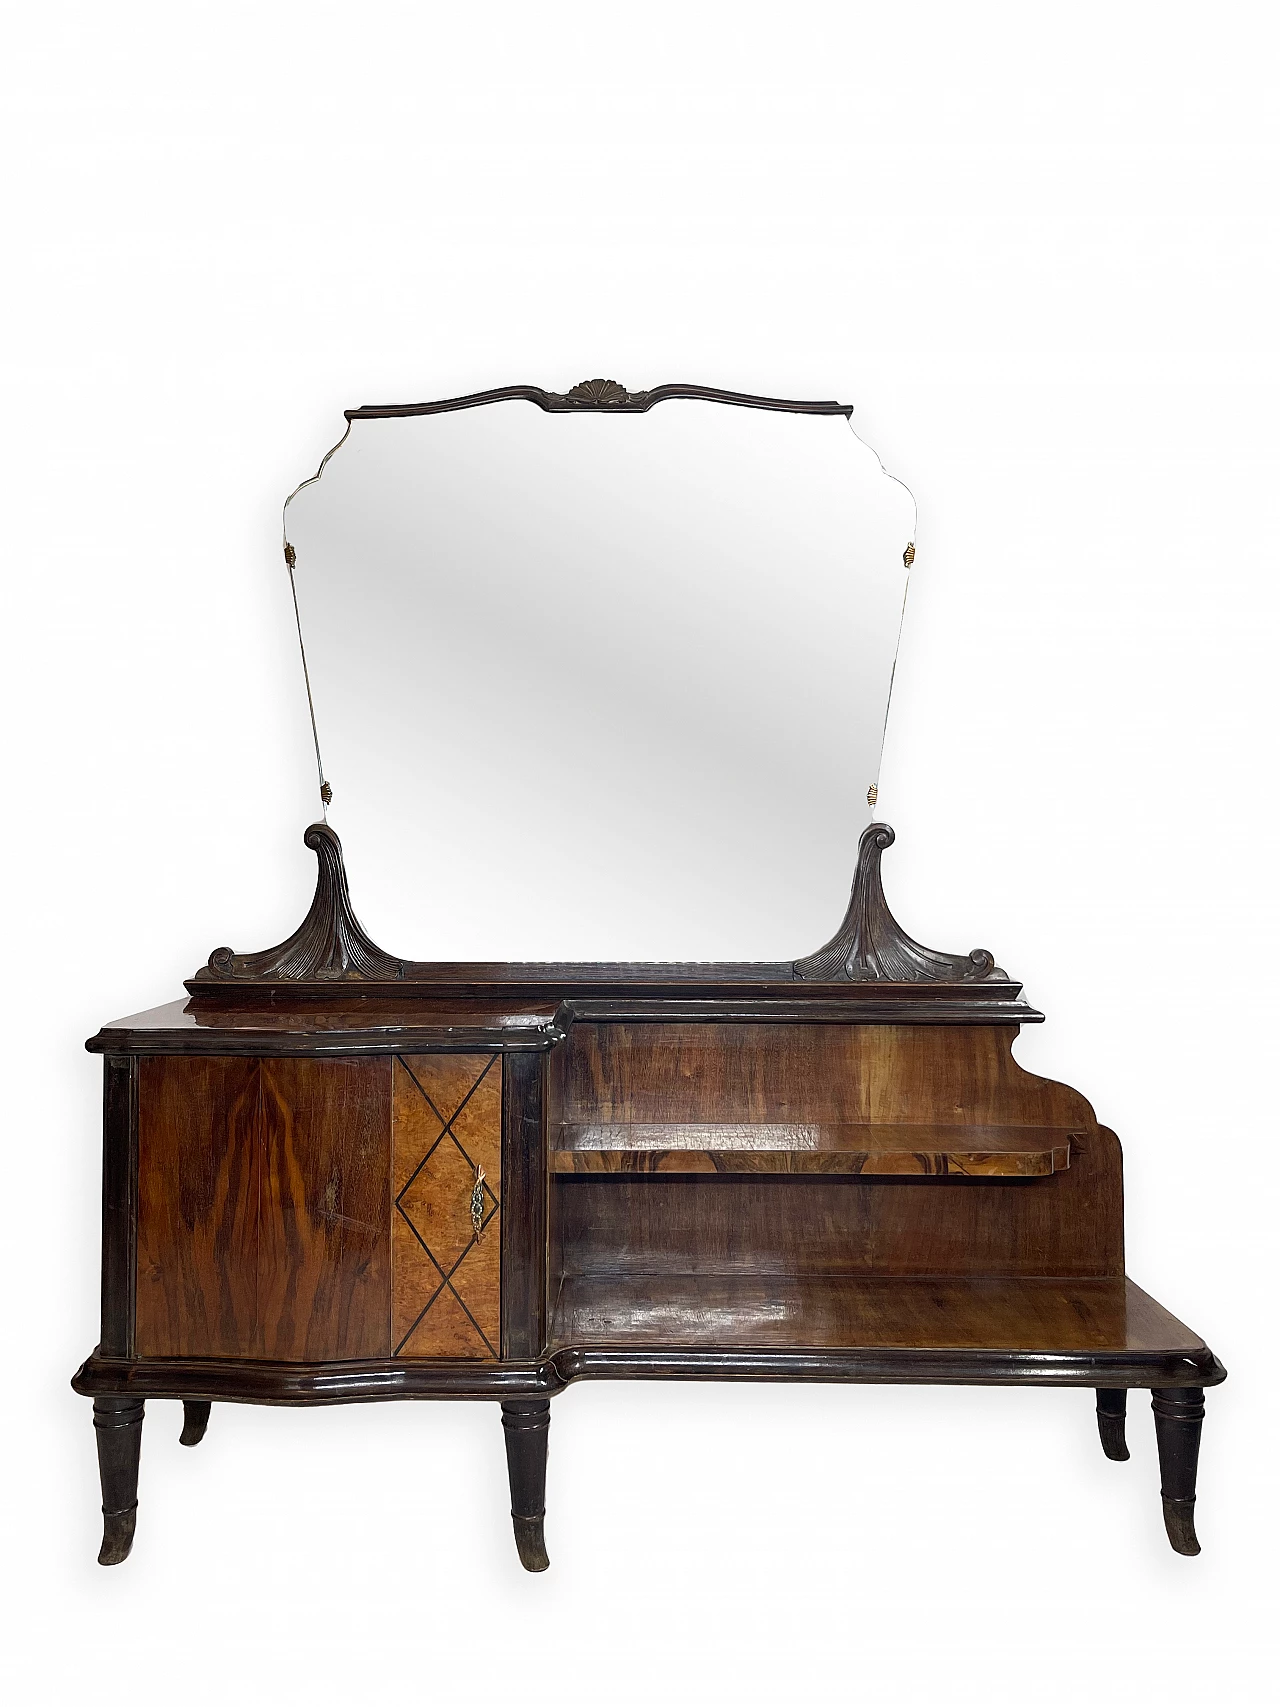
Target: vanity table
column 331, row 1174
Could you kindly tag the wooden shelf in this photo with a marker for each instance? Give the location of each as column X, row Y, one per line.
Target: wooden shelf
column 1018, row 1152
column 846, row 1313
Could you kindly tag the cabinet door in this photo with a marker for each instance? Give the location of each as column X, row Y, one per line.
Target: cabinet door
column 263, row 1208
column 446, row 1237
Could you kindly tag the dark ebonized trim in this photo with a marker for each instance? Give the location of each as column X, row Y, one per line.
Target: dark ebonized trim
column 418, row 1040
column 117, row 1424
column 406, row 1040
column 710, row 992
column 119, row 1203
column 525, row 1426
column 345, row 1383
column 943, row 1368
column 827, row 1005
column 1179, row 1416
column 524, row 1216
column 242, row 1381
column 195, row 1420
column 600, row 394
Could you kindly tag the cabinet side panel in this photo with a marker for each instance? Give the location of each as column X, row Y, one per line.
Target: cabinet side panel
column 324, row 1233
column 197, row 1207
column 960, row 1075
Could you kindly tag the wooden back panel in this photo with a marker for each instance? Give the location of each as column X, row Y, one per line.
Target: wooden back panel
column 1069, row 1223
column 946, row 1075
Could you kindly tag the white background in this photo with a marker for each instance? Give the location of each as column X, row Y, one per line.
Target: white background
column 1036, row 247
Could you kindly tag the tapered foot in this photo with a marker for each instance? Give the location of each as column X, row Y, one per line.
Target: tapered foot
column 1179, row 1414
column 1180, row 1526
column 195, row 1419
column 118, row 1426
column 1111, row 1407
column 526, row 1424
column 117, row 1536
column 530, row 1543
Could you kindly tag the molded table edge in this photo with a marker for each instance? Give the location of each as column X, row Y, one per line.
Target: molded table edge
column 248, row 1382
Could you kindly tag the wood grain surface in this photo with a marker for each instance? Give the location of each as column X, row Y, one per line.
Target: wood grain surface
column 863, row 1081
column 839, row 1074
column 198, row 1179
column 324, row 1257
column 264, row 1213
column 844, row 1312
column 828, row 1224
column 1027, row 1152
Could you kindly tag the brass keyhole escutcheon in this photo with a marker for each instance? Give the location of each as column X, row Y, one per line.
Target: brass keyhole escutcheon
column 477, row 1202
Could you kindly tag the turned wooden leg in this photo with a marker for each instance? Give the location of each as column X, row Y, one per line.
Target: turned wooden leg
column 1111, row 1404
column 118, row 1423
column 195, row 1419
column 526, row 1424
column 1179, row 1414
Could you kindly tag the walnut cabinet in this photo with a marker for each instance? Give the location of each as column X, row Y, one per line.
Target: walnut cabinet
column 496, row 1186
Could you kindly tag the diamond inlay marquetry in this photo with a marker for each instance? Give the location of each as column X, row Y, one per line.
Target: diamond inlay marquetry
column 446, row 1125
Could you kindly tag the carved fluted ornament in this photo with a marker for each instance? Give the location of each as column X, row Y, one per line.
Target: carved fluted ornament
column 602, row 394
column 872, row 944
column 329, row 943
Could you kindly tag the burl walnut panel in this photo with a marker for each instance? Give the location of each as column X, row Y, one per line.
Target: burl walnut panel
column 263, row 1208
column 446, row 1272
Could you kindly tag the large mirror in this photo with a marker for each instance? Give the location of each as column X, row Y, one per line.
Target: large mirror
column 598, row 677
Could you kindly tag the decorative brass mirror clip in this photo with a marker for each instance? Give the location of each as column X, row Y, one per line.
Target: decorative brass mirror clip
column 477, row 1202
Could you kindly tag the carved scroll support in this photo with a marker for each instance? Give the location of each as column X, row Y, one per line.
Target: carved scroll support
column 872, row 944
column 329, row 943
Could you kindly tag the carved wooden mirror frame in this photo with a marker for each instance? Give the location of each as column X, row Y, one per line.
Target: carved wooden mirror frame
column 870, row 946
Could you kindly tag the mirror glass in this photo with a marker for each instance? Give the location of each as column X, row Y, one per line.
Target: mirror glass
column 600, row 685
